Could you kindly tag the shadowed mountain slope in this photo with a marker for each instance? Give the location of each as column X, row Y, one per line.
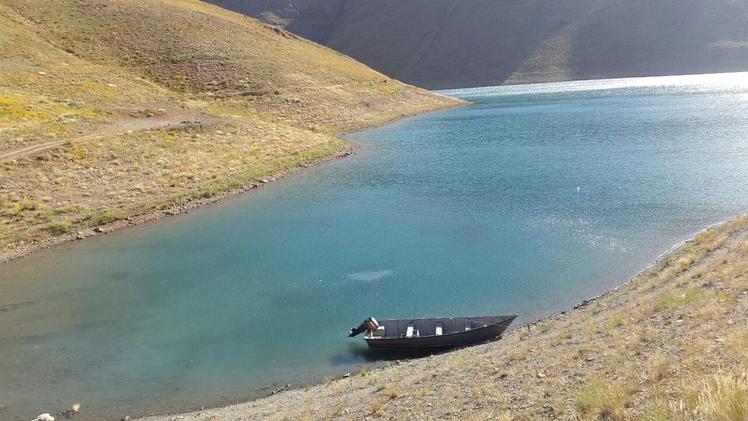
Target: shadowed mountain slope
column 452, row 43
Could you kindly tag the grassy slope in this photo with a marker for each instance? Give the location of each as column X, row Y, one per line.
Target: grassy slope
column 669, row 345
column 113, row 81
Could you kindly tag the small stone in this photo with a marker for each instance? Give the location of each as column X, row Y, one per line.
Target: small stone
column 347, row 375
column 540, row 375
column 45, row 417
column 549, row 410
column 98, row 229
column 76, row 407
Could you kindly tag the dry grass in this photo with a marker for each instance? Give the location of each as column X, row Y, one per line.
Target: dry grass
column 111, row 81
column 603, row 398
column 724, row 398
column 669, row 345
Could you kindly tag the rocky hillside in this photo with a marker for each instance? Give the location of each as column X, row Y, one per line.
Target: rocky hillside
column 114, row 109
column 453, row 43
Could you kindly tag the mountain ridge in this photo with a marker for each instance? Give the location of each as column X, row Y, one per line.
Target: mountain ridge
column 492, row 42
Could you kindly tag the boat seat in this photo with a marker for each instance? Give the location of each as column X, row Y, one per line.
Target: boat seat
column 379, row 333
column 438, row 328
column 409, row 331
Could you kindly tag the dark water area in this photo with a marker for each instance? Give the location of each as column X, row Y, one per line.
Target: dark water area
column 528, row 201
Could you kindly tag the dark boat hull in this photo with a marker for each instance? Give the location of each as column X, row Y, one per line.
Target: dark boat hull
column 480, row 334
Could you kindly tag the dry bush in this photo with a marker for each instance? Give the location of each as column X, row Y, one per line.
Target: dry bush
column 723, row 398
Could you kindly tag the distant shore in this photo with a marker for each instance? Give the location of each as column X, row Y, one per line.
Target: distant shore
column 14, row 253
column 580, row 362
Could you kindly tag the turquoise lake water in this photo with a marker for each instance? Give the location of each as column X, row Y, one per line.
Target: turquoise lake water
column 528, row 201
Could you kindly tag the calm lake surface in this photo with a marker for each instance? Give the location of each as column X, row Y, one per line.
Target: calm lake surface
column 526, row 202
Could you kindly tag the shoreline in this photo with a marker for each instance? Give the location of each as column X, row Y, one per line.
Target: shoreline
column 519, row 332
column 14, row 254
column 271, row 390
column 301, row 385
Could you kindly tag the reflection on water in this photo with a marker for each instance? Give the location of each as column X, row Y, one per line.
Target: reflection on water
column 369, row 275
column 358, row 352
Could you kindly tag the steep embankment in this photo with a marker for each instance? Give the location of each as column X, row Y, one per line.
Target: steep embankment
column 452, row 43
column 113, row 109
column 669, row 345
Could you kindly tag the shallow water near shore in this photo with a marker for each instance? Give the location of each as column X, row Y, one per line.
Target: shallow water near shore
column 528, row 201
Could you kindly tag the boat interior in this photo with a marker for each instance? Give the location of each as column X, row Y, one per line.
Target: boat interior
column 416, row 328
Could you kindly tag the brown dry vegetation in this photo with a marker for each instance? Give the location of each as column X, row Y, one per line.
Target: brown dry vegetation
column 145, row 105
column 672, row 344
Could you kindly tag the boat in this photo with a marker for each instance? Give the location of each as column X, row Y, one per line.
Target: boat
column 440, row 332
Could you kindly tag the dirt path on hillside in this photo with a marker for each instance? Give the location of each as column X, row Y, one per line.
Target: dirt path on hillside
column 119, row 126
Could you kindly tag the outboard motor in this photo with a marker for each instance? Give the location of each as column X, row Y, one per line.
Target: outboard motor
column 368, row 324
